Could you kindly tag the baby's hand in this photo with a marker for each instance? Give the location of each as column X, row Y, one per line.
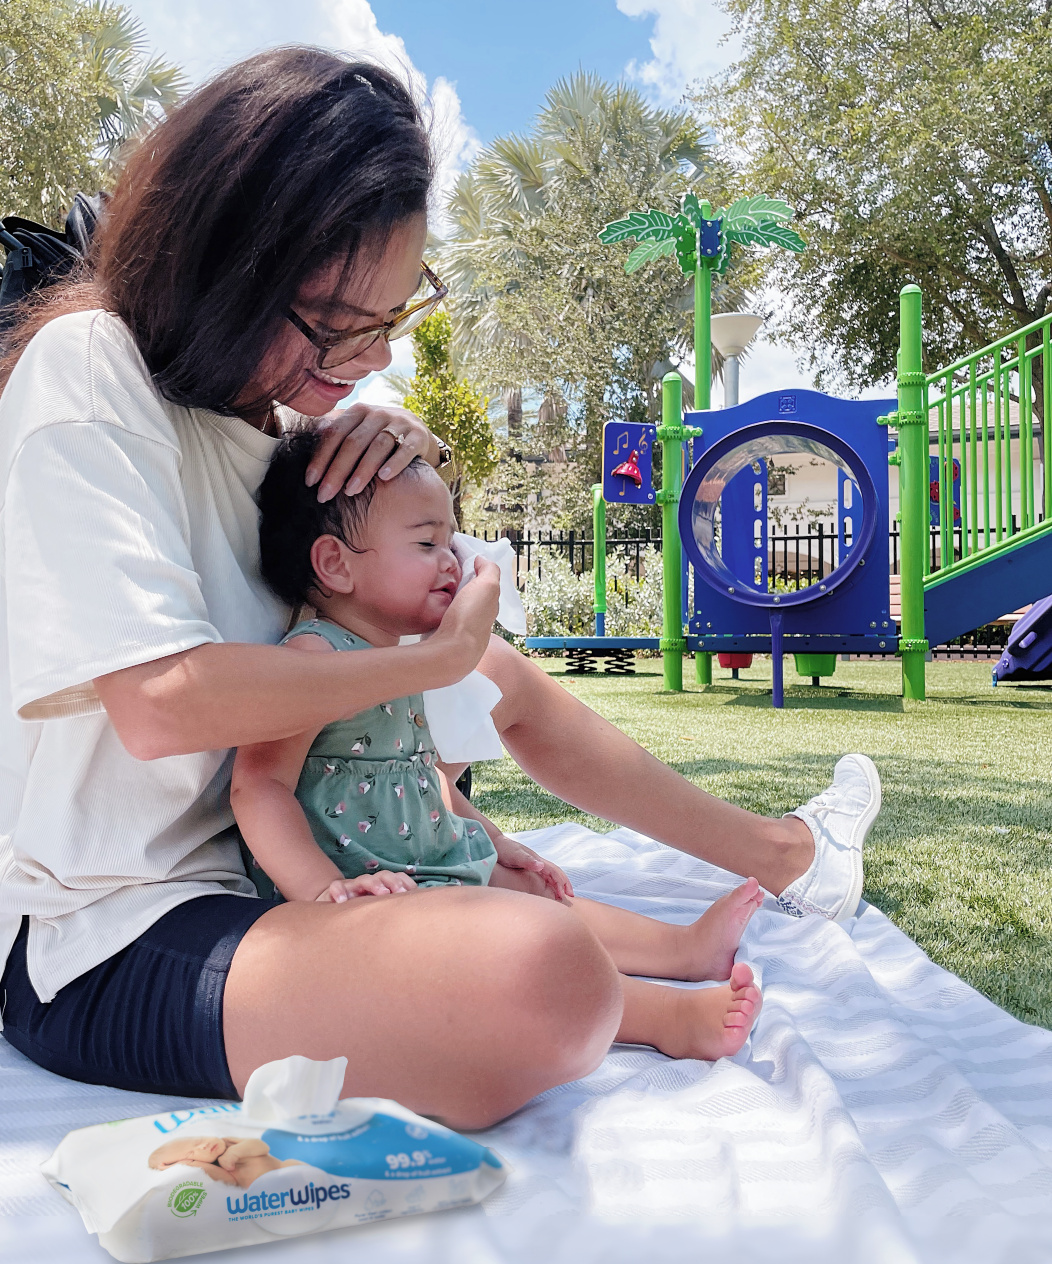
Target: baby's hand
column 514, row 855
column 241, row 1148
column 381, row 883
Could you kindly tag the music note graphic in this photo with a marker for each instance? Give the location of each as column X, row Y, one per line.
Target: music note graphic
column 622, row 439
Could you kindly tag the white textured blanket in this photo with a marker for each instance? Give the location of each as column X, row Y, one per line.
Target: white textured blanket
column 883, row 1113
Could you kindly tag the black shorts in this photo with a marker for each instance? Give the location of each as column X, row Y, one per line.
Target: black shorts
column 150, row 1018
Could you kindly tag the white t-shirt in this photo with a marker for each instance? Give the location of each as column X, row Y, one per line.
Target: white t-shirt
column 128, row 531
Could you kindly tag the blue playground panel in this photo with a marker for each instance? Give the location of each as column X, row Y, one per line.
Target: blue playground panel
column 620, row 440
column 848, row 504
column 597, row 643
column 743, row 511
column 848, row 611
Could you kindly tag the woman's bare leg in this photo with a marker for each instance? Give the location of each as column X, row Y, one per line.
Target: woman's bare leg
column 461, row 1004
column 571, row 751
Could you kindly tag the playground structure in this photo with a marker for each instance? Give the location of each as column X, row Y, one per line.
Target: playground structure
column 979, row 420
column 966, row 442
column 723, row 525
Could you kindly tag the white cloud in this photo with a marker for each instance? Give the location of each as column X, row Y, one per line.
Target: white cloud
column 352, row 28
column 376, row 388
column 685, row 43
column 204, row 36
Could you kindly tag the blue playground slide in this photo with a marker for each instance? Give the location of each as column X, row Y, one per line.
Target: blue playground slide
column 997, row 580
column 1028, row 655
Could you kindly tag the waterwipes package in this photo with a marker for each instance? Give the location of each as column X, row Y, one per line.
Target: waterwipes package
column 291, row 1159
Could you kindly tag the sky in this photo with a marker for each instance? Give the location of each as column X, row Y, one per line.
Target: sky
column 484, row 66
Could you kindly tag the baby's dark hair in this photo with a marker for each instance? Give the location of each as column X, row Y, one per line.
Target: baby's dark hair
column 292, row 517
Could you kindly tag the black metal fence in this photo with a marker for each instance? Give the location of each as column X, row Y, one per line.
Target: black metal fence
column 797, row 556
column 533, row 548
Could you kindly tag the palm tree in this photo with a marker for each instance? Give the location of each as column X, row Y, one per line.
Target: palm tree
column 134, row 89
column 586, row 130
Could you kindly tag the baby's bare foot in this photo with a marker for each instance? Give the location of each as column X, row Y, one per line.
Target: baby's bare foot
column 711, row 1023
column 711, row 942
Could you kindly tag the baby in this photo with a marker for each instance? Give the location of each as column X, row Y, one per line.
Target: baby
column 364, row 808
column 233, row 1160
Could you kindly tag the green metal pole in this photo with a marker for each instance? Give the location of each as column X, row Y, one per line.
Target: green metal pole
column 703, row 334
column 912, row 423
column 671, row 436
column 703, row 381
column 599, row 557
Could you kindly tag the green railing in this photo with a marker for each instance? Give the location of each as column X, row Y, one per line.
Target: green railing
column 986, row 413
column 983, row 412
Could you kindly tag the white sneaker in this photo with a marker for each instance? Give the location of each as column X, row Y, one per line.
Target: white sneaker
column 839, row 818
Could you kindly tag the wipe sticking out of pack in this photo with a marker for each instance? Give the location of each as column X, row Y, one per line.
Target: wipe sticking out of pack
column 291, row 1159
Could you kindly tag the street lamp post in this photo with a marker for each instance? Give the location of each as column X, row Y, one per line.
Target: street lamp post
column 731, row 334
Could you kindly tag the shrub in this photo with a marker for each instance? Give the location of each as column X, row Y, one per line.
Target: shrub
column 558, row 601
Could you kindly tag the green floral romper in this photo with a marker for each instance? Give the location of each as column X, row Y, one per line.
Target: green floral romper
column 371, row 793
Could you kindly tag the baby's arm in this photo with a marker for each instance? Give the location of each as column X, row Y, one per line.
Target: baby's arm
column 510, row 853
column 272, row 823
column 213, row 1169
column 241, row 1148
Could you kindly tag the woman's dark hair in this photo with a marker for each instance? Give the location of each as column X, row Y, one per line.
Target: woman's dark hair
column 292, row 517
column 275, row 168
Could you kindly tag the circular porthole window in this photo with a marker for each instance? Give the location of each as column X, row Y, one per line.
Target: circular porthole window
column 780, row 444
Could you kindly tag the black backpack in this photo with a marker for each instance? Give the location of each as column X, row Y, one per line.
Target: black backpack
column 38, row 256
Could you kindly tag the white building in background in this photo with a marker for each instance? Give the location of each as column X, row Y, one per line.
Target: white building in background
column 803, row 489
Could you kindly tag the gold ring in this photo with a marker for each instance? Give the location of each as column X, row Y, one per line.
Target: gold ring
column 398, row 438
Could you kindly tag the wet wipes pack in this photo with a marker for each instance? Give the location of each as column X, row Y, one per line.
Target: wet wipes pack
column 288, row 1160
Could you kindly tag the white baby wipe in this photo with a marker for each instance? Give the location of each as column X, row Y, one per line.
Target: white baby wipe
column 459, row 716
column 291, row 1159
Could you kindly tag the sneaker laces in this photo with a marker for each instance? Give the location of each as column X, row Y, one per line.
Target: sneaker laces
column 822, row 804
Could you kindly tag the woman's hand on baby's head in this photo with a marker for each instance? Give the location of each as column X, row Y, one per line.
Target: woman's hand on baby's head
column 382, row 883
column 358, row 443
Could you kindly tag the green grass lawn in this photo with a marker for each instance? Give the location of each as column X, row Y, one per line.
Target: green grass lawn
column 961, row 855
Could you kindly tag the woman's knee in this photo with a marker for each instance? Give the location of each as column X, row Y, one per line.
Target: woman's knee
column 565, row 978
column 564, row 1011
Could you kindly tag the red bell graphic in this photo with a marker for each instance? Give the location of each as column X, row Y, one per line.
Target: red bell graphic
column 629, row 469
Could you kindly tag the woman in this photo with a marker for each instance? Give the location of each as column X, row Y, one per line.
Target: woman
column 262, row 245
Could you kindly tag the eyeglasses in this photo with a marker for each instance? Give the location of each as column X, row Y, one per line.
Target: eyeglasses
column 337, row 349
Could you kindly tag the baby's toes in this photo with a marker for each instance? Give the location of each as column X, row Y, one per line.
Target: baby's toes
column 744, row 1008
column 741, row 977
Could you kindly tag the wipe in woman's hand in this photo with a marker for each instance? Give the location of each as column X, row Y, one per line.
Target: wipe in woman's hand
column 510, row 612
column 291, row 1159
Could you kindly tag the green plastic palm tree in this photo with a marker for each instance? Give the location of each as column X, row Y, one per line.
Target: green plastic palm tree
column 702, row 241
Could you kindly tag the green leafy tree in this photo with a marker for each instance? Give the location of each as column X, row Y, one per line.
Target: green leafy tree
column 914, row 140
column 75, row 83
column 545, row 312
column 48, row 109
column 452, row 408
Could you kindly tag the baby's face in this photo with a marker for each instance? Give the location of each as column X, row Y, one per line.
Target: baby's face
column 408, row 573
column 205, row 1149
